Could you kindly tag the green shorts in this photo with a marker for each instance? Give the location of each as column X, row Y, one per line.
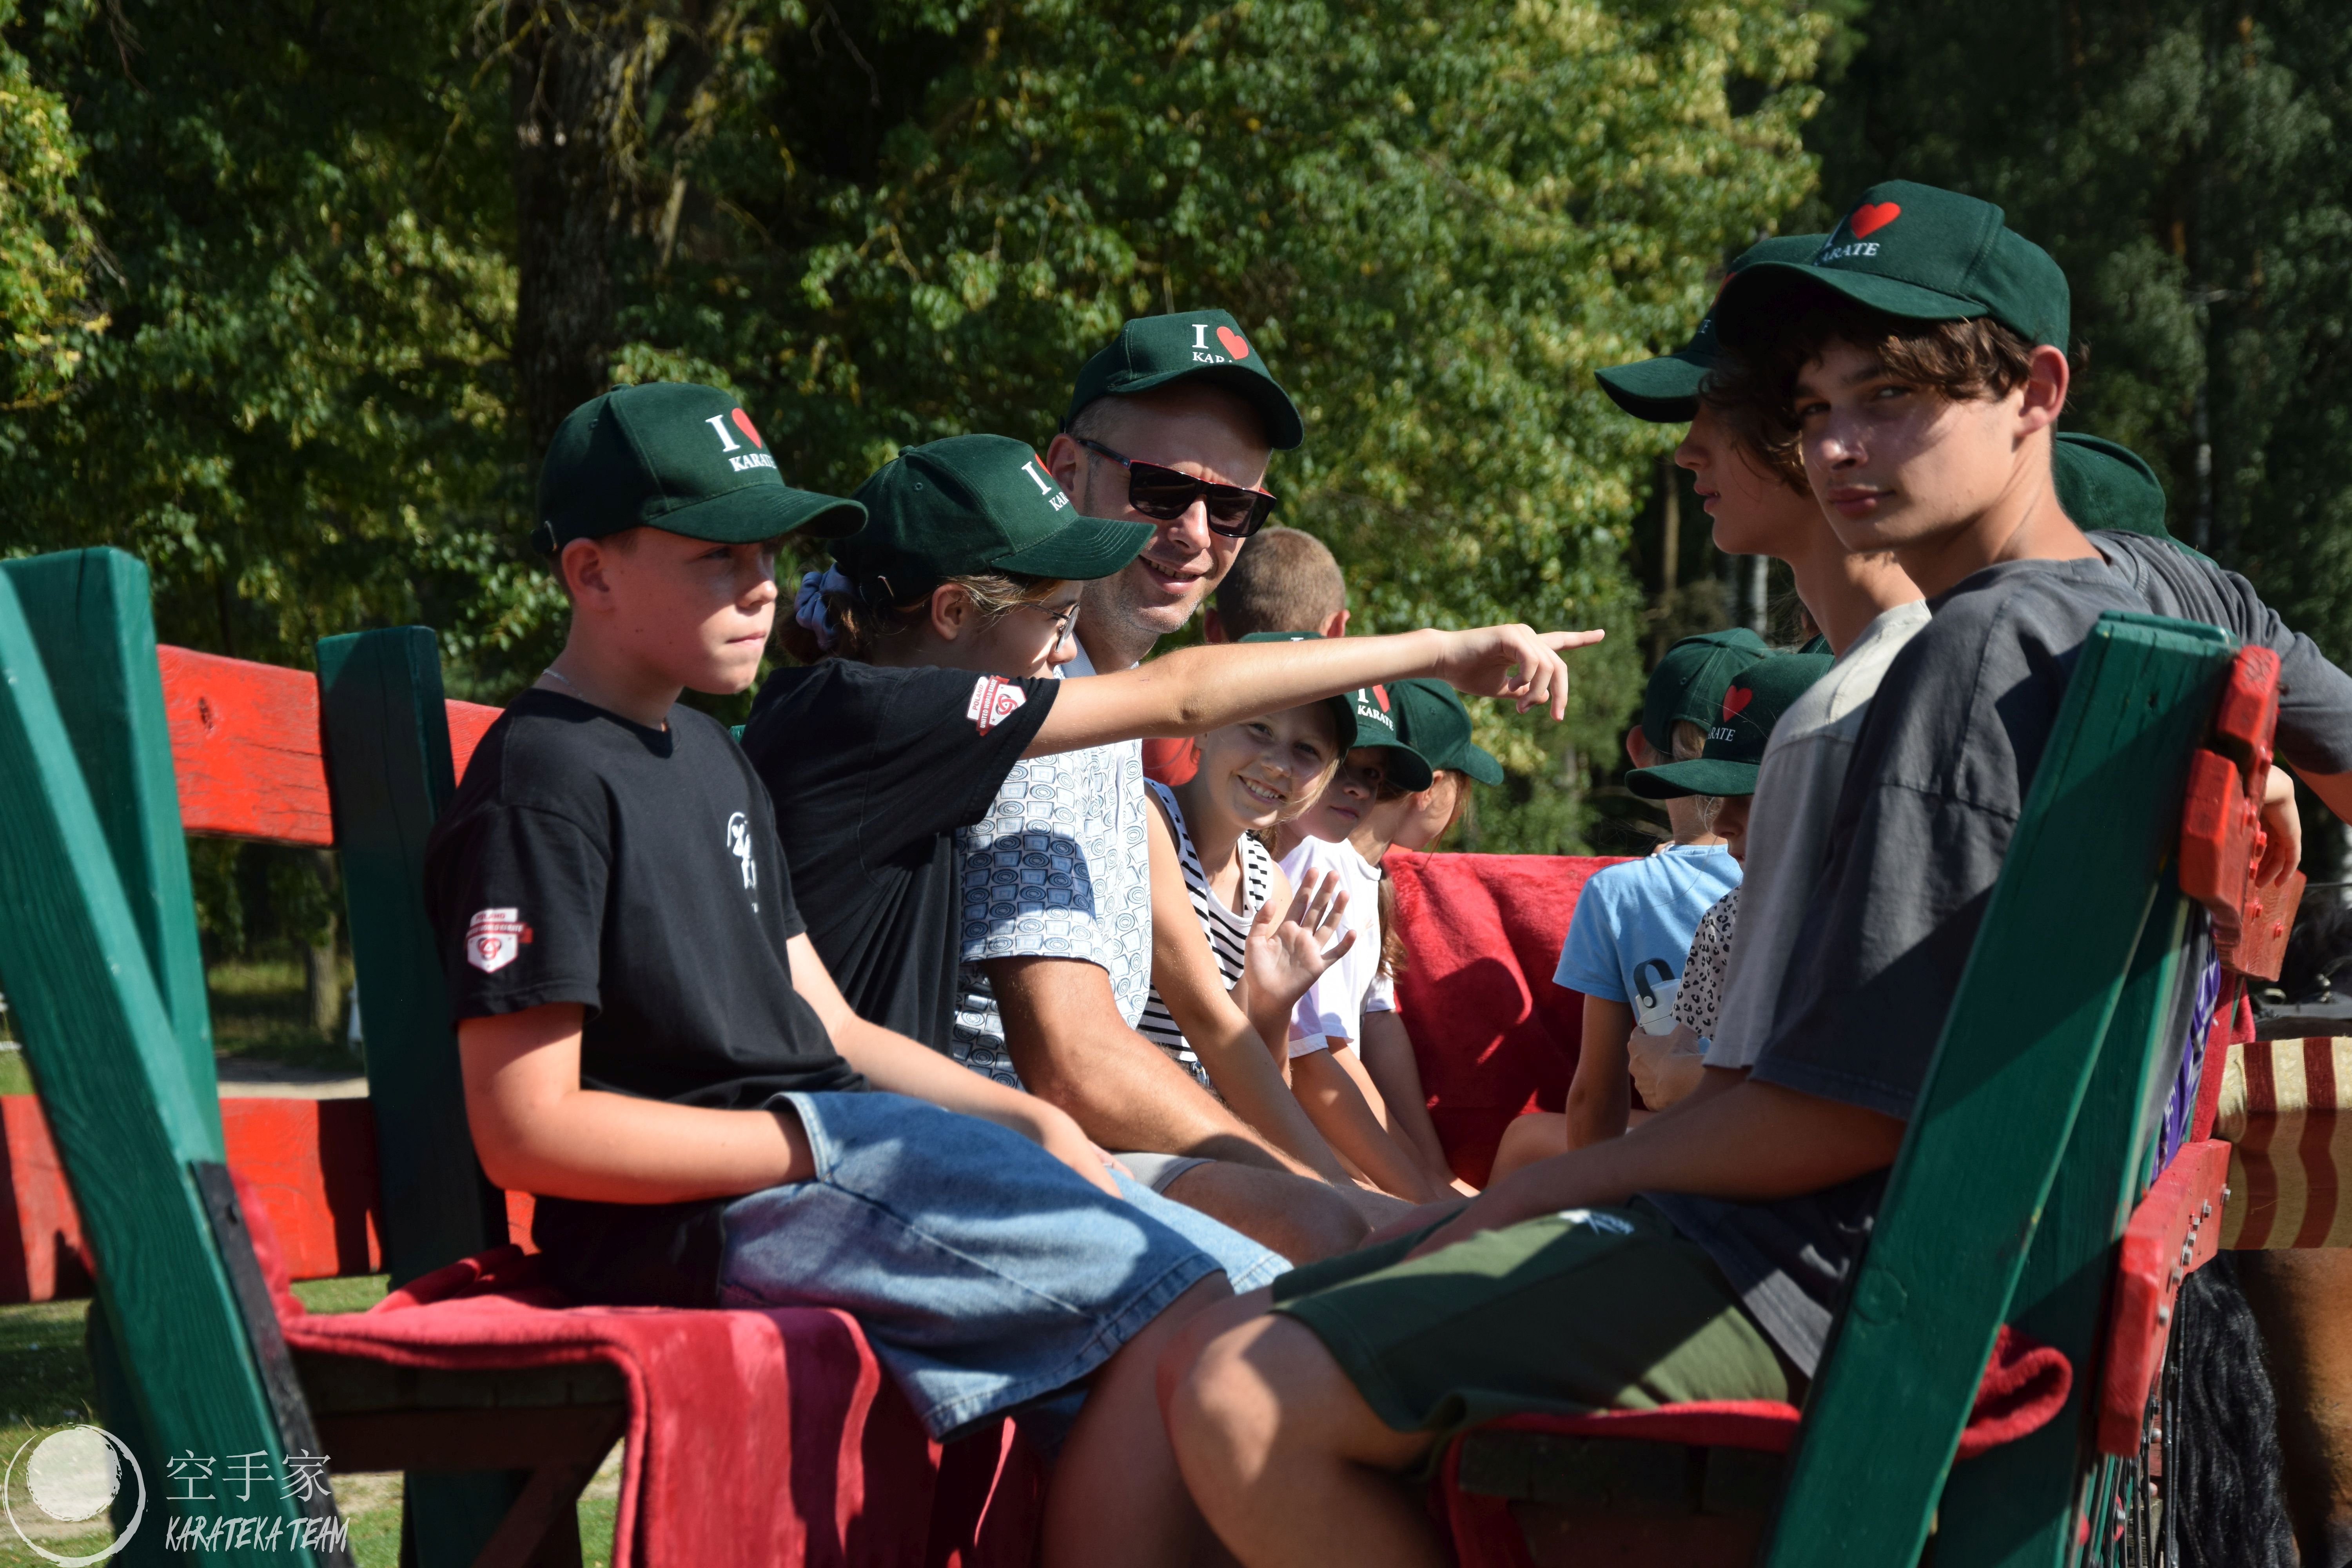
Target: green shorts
column 1585, row 1309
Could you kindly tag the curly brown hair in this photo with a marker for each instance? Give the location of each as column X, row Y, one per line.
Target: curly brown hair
column 1751, row 388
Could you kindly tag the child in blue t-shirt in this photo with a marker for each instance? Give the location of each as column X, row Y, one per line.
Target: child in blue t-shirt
column 1633, row 923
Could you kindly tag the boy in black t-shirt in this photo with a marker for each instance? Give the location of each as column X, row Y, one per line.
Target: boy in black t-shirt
column 1919, row 359
column 652, row 1045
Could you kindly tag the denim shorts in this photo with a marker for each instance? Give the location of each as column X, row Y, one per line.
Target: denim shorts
column 986, row 1274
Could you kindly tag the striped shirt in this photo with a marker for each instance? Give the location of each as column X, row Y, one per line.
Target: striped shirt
column 1227, row 929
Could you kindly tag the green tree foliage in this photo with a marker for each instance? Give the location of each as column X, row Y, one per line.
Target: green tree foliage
column 357, row 263
column 2186, row 163
column 44, row 241
column 1434, row 221
column 295, row 410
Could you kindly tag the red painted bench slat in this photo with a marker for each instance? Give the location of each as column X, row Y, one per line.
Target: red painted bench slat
column 2172, row 1234
column 245, row 747
column 310, row 1162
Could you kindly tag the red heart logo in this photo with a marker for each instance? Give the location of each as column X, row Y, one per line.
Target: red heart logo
column 743, row 422
column 1236, row 344
column 1872, row 217
column 1379, row 693
column 1735, row 700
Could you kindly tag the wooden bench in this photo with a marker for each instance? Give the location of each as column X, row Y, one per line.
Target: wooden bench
column 2026, row 1193
column 187, row 1344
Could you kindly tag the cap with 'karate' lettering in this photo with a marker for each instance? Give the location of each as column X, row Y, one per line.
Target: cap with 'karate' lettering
column 1922, row 253
column 675, row 456
column 1201, row 345
column 977, row 503
column 1752, row 703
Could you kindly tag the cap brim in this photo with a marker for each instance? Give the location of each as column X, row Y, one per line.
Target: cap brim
column 1406, row 767
column 763, row 512
column 1479, row 764
column 1284, row 428
column 1082, row 549
column 1891, row 295
column 1663, row 391
column 1696, row 775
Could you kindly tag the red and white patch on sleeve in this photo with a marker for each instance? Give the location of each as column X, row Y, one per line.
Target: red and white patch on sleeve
column 494, row 938
column 992, row 702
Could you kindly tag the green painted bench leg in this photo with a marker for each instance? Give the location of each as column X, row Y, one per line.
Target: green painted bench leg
column 114, row 1083
column 386, row 734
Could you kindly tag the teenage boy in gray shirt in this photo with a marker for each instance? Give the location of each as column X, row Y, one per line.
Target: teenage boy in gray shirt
column 1925, row 374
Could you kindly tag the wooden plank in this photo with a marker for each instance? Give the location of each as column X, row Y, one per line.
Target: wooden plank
column 114, row 1085
column 388, row 757
column 2018, row 1504
column 244, row 744
column 88, row 613
column 1998, row 1104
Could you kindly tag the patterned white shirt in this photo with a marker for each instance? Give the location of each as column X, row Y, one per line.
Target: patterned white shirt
column 1059, row 868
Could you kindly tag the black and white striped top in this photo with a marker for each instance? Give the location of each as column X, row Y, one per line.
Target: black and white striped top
column 1227, row 930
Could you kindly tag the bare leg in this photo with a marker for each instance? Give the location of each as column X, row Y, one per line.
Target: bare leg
column 1116, row 1497
column 1537, row 1135
column 1303, row 1220
column 1289, row 1465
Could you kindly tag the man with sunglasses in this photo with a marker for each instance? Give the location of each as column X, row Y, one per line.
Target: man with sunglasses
column 1172, row 425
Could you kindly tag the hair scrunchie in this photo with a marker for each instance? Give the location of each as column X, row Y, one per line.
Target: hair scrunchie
column 810, row 610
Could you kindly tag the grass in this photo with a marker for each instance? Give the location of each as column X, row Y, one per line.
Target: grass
column 45, row 1384
column 261, row 1011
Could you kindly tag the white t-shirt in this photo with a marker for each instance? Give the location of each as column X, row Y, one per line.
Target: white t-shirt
column 1059, row 868
column 1335, row 1005
column 1789, row 829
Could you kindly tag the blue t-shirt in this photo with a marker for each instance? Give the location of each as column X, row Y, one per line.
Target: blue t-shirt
column 1633, row 925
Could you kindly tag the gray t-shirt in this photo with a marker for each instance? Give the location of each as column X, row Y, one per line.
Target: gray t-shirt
column 1789, row 829
column 2314, row 721
column 1938, row 779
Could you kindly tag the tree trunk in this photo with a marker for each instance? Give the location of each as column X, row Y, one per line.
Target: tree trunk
column 567, row 207
column 323, row 973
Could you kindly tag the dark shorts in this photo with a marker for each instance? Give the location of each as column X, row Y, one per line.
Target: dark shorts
column 1585, row 1309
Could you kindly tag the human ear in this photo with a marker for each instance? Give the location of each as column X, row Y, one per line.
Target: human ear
column 583, row 566
column 951, row 611
column 2045, row 390
column 1212, row 627
column 1063, row 458
column 1336, row 626
column 1638, row 749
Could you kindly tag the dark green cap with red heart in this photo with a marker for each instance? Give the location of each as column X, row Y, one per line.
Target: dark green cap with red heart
column 1751, row 705
column 977, row 503
column 1924, row 254
column 1196, row 345
column 1665, row 390
column 675, row 456
column 1343, row 707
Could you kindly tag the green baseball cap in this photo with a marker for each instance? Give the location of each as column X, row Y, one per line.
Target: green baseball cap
column 1752, row 704
column 1376, row 725
column 977, row 503
column 675, row 456
column 1922, row 253
column 1689, row 680
column 1665, row 390
column 1207, row 345
column 2102, row 484
column 1438, row 726
column 1343, row 709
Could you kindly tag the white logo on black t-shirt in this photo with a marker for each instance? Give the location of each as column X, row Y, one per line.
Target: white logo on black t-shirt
column 992, row 702
column 739, row 844
column 494, row 938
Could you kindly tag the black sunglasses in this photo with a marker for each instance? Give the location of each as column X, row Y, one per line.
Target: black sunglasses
column 1164, row 495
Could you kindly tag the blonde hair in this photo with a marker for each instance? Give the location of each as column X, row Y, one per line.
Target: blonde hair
column 861, row 626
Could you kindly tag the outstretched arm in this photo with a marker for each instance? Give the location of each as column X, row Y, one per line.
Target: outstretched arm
column 1198, row 689
column 1752, row 1142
